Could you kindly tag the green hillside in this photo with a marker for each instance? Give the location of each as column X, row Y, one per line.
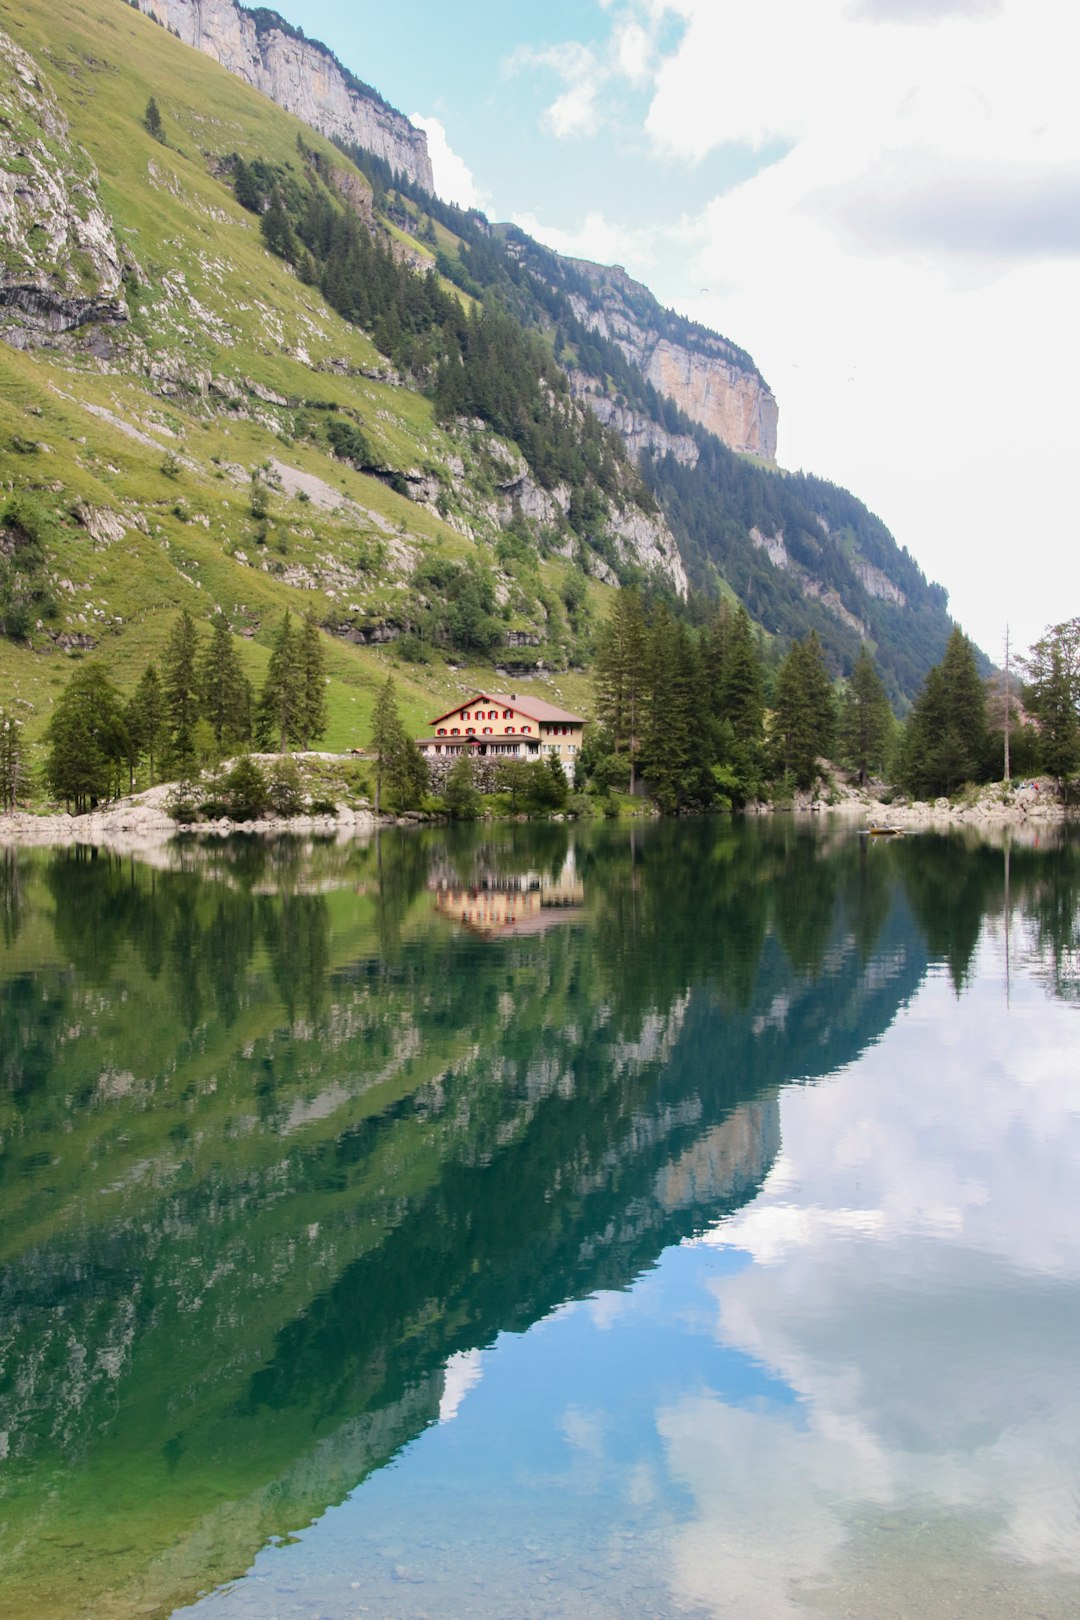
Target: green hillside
column 149, row 446
column 245, row 371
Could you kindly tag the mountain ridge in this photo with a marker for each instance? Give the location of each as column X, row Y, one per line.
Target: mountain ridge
column 220, row 369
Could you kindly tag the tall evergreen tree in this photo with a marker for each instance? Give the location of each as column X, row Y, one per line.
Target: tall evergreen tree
column 805, row 717
column 147, row 719
column 400, row 773
column 945, row 742
column 619, row 671
column 1053, row 696
column 88, row 742
column 12, row 760
column 281, row 699
column 741, row 701
column 865, row 717
column 313, row 706
column 226, row 690
column 180, row 680
column 672, row 751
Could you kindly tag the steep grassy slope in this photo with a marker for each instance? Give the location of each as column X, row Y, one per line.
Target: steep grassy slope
column 227, row 366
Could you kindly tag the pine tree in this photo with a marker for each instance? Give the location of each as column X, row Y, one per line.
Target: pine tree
column 945, row 741
column 87, row 739
column 805, row 711
column 246, row 188
column 180, row 681
column 281, row 699
column 1053, row 696
column 225, row 689
column 672, row 754
column 313, row 706
column 865, row 717
column 399, row 769
column 276, row 230
column 12, row 761
column 152, row 120
column 619, row 671
column 147, row 719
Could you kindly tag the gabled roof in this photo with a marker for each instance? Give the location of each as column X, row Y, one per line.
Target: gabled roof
column 531, row 707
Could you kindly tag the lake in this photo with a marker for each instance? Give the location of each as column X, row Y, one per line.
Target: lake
column 667, row 1219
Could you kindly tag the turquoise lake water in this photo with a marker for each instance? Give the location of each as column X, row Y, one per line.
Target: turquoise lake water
column 677, row 1219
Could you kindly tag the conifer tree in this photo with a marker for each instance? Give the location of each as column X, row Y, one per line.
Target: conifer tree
column 147, row 719
column 152, row 120
column 741, row 702
column 225, row 689
column 672, row 752
column 281, row 699
column 12, row 760
column 246, row 188
column 865, row 717
column 276, row 230
column 619, row 671
column 1053, row 696
column 87, row 740
column 400, row 773
column 313, row 706
column 945, row 742
column 180, row 681
column 805, row 711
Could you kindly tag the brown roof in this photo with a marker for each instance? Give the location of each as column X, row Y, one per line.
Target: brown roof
column 485, row 737
column 533, row 708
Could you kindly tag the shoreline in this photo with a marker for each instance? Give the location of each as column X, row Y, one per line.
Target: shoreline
column 141, row 822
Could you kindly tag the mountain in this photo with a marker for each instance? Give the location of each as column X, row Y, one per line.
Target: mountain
column 249, row 367
column 300, row 74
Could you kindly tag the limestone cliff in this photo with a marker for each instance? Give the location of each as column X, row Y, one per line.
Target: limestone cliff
column 300, row 75
column 60, row 267
column 708, row 377
column 637, row 431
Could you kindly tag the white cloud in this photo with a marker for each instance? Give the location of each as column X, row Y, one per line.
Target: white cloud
column 454, row 180
column 904, row 273
column 915, row 1287
column 596, row 238
column 589, row 74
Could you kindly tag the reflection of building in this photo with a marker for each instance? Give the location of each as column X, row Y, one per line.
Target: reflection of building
column 520, row 903
column 491, row 724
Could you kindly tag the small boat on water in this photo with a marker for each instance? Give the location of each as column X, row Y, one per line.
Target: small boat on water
column 882, row 832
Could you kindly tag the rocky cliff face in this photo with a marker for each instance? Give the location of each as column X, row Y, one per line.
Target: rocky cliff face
column 705, row 375
column 300, row 75
column 637, row 431
column 60, row 267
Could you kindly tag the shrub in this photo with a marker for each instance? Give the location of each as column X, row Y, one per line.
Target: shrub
column 246, row 790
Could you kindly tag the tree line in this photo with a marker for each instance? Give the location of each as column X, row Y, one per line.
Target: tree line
column 701, row 714
column 197, row 709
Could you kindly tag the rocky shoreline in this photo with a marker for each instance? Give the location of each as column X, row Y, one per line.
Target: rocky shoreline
column 142, row 822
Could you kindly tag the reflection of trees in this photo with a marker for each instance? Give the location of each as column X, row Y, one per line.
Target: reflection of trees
column 12, row 899
column 950, row 884
column 1050, row 897
column 353, row 1143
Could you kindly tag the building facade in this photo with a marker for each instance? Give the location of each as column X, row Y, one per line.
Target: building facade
column 497, row 725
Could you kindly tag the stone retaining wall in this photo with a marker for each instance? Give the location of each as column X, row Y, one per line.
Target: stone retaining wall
column 485, row 772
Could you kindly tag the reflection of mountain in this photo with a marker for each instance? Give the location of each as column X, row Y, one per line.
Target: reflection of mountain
column 270, row 1159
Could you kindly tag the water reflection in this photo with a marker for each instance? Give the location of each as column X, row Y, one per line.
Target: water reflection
column 282, row 1150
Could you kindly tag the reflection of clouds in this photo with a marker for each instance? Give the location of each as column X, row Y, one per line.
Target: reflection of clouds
column 463, row 1372
column 916, row 1285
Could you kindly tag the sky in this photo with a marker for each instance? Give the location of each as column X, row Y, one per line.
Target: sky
column 878, row 199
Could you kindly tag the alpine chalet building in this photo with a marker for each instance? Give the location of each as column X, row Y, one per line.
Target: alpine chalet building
column 494, row 725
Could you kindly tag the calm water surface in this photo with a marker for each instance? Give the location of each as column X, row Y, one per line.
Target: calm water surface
column 541, row 1222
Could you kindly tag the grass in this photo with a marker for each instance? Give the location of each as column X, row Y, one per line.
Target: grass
column 228, row 362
